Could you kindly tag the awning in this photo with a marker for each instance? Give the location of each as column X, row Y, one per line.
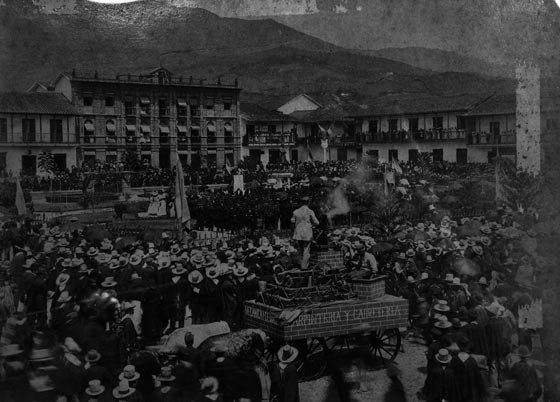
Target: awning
column 145, row 129
column 182, row 129
column 164, row 129
column 195, row 127
column 130, row 127
column 111, row 127
column 182, row 102
column 89, row 126
column 144, row 100
column 211, row 128
column 228, row 128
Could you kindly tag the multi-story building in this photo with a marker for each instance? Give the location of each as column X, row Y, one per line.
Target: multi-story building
column 267, row 136
column 31, row 123
column 155, row 115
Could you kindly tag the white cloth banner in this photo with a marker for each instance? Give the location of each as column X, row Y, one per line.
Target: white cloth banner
column 238, row 183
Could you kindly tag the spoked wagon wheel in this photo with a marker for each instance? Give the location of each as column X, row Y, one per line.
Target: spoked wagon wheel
column 313, row 358
column 385, row 344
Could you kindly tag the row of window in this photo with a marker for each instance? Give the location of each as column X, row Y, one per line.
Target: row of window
column 163, row 105
column 437, row 154
column 437, row 123
column 28, row 130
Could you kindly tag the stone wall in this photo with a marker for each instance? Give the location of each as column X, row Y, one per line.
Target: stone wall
column 528, row 117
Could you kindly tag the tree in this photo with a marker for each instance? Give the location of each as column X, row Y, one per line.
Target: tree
column 131, row 161
column 46, row 164
column 519, row 188
column 388, row 217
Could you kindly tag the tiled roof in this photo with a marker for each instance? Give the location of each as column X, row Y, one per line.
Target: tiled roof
column 36, row 103
column 321, row 115
column 254, row 112
column 494, row 105
column 399, row 104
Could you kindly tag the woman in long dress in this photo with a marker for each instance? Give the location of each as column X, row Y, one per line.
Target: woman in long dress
column 153, row 207
column 162, row 203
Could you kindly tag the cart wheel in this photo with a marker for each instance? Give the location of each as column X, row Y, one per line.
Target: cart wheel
column 385, row 345
column 279, row 276
column 313, row 359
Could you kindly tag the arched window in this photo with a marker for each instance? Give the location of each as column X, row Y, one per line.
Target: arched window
column 89, row 132
column 110, row 130
column 228, row 133
column 211, row 133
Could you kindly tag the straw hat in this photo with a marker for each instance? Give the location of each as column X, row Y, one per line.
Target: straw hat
column 287, row 354
column 212, row 272
column 114, row 264
column 93, row 356
column 64, row 297
column 483, row 281
column 456, row 282
column 429, row 259
column 410, row 253
column 123, row 390
column 102, row 258
column 109, row 282
column 163, row 263
column 135, row 260
column 62, row 279
column 443, row 323
column 195, row 277
column 10, row 350
column 442, row 306
column 448, row 277
column 129, row 373
column 477, row 250
column 443, row 356
column 524, row 352
column 92, row 252
column 95, row 388
column 178, row 270
column 240, row 271
column 424, row 276
column 197, row 259
column 40, row 355
column 166, row 374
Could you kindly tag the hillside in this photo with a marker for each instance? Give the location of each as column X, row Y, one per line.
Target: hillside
column 442, row 61
column 266, row 56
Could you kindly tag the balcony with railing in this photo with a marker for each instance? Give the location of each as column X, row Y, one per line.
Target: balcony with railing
column 482, row 139
column 265, row 138
column 431, row 135
column 30, row 139
column 400, row 136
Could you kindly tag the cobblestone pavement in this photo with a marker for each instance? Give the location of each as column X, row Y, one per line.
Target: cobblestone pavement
column 412, row 363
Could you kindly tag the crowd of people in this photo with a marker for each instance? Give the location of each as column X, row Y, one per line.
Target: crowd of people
column 76, row 177
column 76, row 310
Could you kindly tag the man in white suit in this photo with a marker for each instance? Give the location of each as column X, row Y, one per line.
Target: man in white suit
column 304, row 219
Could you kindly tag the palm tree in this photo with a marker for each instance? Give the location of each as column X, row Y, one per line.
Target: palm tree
column 389, row 217
column 46, row 164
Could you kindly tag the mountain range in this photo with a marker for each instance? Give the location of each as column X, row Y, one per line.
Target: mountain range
column 270, row 59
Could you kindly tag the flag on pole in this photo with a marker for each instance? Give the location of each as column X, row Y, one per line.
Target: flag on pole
column 385, row 186
column 229, row 168
column 181, row 204
column 309, row 154
column 91, row 186
column 498, row 181
column 20, row 200
column 396, row 167
column 390, row 177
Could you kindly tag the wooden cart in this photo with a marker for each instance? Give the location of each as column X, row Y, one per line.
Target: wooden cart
column 369, row 322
